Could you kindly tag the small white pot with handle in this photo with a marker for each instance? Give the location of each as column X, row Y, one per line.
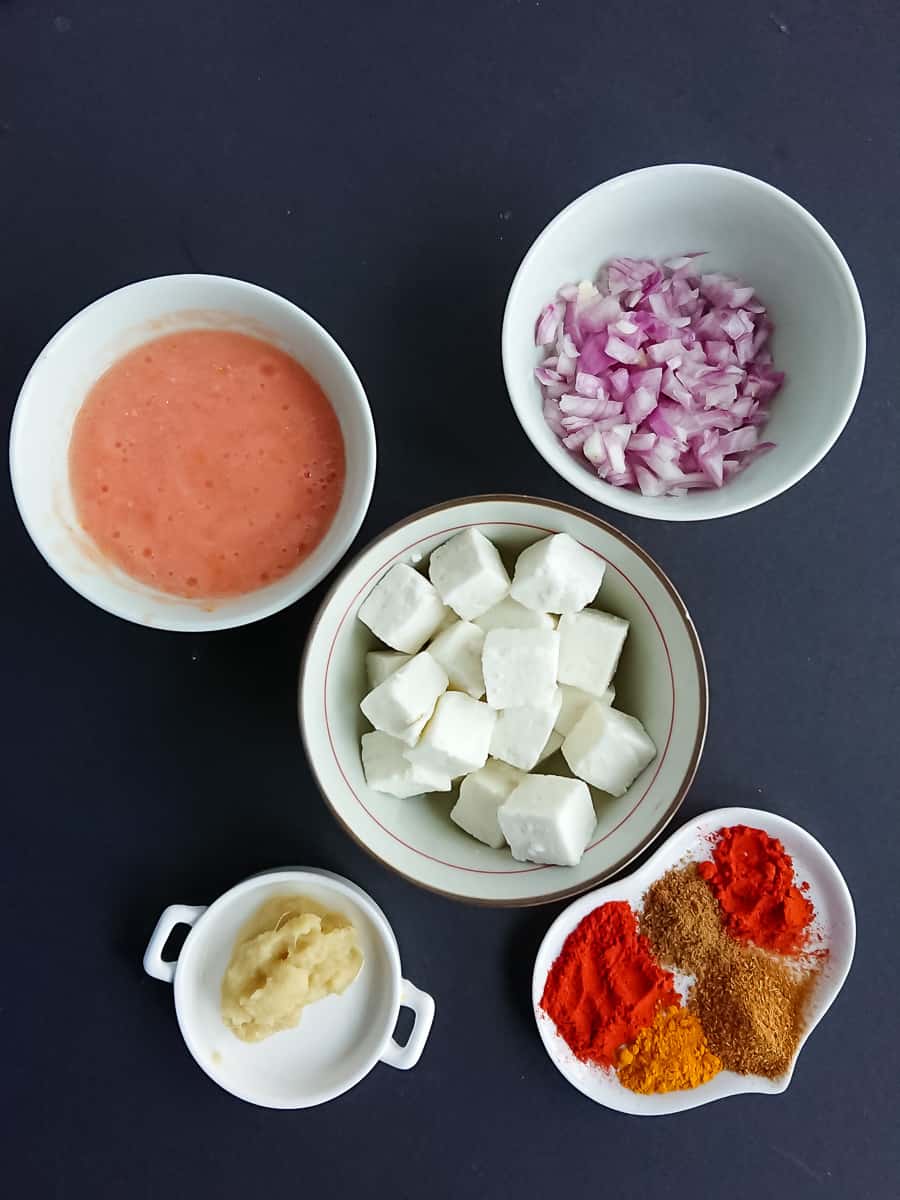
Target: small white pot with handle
column 338, row 1041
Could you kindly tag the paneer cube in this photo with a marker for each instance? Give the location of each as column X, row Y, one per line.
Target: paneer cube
column 520, row 667
column 510, row 614
column 548, row 819
column 590, row 644
column 403, row 609
column 406, row 697
column 557, row 575
column 574, row 702
column 468, row 573
column 411, row 733
column 521, row 733
column 382, row 663
column 387, row 770
column 480, row 795
column 457, row 738
column 458, row 650
column 553, row 743
column 608, row 749
column 450, row 618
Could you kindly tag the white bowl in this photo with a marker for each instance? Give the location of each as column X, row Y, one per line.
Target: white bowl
column 835, row 921
column 750, row 230
column 83, row 349
column 338, row 1041
column 661, row 680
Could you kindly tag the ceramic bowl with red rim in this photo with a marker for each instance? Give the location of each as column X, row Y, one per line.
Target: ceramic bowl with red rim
column 661, row 680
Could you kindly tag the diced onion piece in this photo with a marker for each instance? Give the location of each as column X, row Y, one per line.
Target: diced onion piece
column 548, row 324
column 620, row 350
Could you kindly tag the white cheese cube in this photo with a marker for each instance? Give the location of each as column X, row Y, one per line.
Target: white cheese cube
column 557, row 575
column 411, row 733
column 574, row 702
column 480, row 795
column 381, row 663
column 450, row 618
column 548, row 819
column 521, row 733
column 458, row 650
column 457, row 738
column 387, row 770
column 590, row 643
column 407, row 696
column 510, row 614
column 553, row 743
column 520, row 667
column 468, row 574
column 608, row 749
column 402, row 609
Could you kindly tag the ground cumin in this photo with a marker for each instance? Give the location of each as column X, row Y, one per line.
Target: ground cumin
column 751, row 1004
column 682, row 921
column 752, row 1009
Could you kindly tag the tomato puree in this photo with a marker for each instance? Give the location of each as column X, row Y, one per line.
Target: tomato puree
column 206, row 463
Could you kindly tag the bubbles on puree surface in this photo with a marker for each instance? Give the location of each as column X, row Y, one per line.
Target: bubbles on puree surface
column 208, row 498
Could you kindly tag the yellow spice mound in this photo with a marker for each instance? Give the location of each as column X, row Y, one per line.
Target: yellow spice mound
column 668, row 1056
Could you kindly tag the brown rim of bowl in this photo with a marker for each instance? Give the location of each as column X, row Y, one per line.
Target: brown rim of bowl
column 690, row 773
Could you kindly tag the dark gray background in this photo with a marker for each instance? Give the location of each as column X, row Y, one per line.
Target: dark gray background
column 386, row 165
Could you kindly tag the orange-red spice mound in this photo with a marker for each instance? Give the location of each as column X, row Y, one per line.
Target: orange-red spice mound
column 752, row 877
column 606, row 985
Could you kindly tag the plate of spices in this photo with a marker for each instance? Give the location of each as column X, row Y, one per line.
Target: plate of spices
column 702, row 974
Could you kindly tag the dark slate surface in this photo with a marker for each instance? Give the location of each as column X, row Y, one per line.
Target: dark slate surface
column 385, row 166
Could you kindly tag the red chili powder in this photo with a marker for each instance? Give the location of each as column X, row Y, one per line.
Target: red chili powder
column 752, row 877
column 606, row 985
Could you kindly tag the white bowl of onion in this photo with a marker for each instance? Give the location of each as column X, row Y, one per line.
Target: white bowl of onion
column 749, row 233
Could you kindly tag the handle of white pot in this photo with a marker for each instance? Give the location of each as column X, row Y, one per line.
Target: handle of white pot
column 422, row 1005
column 175, row 914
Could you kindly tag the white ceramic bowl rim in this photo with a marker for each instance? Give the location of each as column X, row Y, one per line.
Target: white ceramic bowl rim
column 697, row 750
column 306, row 580
column 632, row 502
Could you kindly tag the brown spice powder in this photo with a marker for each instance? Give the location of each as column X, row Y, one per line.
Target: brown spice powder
column 752, row 1009
column 682, row 922
column 751, row 1004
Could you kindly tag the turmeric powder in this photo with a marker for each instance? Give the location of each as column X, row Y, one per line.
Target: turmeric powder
column 669, row 1055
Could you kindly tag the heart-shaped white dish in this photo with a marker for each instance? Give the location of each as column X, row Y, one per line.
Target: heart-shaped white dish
column 834, row 921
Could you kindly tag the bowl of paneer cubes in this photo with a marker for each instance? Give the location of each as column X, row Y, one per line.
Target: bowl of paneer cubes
column 503, row 699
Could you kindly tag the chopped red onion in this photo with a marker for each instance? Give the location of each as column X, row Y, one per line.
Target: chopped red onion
column 548, row 324
column 658, row 377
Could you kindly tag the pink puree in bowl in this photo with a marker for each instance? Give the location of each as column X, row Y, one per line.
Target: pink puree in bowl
column 206, row 463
